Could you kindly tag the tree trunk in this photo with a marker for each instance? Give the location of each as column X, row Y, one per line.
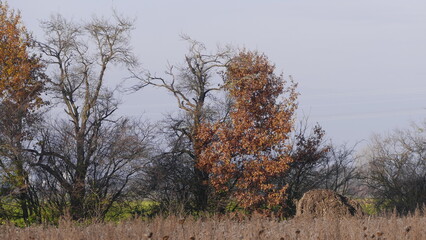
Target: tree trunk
column 201, row 190
column 23, row 198
column 78, row 191
column 201, row 177
column 77, row 196
column 22, row 185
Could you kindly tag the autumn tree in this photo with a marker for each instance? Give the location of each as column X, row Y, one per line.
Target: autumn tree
column 90, row 154
column 245, row 154
column 21, row 84
column 20, row 71
column 194, row 85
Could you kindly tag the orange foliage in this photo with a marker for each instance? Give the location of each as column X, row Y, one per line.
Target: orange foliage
column 244, row 155
column 19, row 72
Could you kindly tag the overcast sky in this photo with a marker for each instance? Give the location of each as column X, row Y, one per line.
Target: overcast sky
column 360, row 64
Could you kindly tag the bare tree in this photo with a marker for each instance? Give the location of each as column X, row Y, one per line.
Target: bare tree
column 89, row 153
column 192, row 86
column 396, row 170
column 121, row 152
column 168, row 180
column 339, row 170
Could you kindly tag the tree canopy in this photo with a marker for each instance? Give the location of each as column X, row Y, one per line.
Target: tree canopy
column 245, row 153
column 20, row 71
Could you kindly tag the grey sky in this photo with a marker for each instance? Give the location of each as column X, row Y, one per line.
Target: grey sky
column 360, row 64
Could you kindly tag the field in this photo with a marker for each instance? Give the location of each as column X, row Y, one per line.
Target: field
column 231, row 227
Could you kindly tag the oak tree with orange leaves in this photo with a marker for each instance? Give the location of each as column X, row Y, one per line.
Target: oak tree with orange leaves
column 20, row 71
column 245, row 154
column 21, row 84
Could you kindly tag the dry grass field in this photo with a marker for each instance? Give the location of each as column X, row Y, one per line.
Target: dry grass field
column 390, row 227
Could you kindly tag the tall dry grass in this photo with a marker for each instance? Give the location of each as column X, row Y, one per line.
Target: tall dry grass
column 257, row 227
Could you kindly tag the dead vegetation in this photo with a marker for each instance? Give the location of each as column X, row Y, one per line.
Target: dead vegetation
column 323, row 202
column 255, row 227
